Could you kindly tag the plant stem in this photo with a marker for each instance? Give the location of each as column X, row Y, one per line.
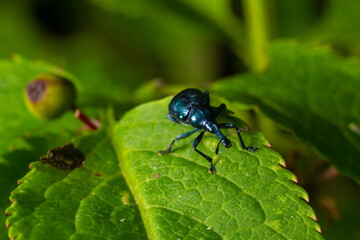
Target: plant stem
column 256, row 25
column 82, row 117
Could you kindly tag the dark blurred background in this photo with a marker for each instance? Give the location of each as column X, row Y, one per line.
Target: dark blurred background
column 114, row 48
column 123, row 45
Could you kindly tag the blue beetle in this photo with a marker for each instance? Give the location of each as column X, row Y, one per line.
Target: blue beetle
column 191, row 107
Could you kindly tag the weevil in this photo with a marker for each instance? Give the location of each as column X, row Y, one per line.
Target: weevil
column 191, row 107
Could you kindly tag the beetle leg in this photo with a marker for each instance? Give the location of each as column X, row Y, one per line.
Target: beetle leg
column 230, row 125
column 222, row 108
column 181, row 136
column 195, row 144
column 219, row 109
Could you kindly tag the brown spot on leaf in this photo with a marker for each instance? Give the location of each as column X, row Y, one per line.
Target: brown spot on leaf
column 98, row 174
column 36, row 90
column 125, row 198
column 156, row 175
column 65, row 157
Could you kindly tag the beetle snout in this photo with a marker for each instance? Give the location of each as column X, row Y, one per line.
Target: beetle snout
column 226, row 142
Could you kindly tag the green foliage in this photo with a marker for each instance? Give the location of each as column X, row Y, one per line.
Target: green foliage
column 205, row 19
column 24, row 138
column 16, row 120
column 15, row 164
column 90, row 202
column 249, row 196
column 340, row 26
column 177, row 197
column 312, row 92
column 114, row 48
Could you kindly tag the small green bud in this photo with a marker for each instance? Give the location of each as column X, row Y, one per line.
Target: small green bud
column 49, row 96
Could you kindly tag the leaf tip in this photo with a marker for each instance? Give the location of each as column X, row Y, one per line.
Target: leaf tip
column 312, row 216
column 282, row 163
column 293, row 179
column 305, row 196
column 296, row 180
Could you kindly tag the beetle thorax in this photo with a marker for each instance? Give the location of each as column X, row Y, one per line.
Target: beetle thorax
column 199, row 116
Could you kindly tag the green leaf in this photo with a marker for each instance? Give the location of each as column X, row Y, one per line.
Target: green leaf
column 23, row 137
column 15, row 164
column 339, row 25
column 312, row 92
column 294, row 18
column 16, row 120
column 250, row 196
column 90, row 202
